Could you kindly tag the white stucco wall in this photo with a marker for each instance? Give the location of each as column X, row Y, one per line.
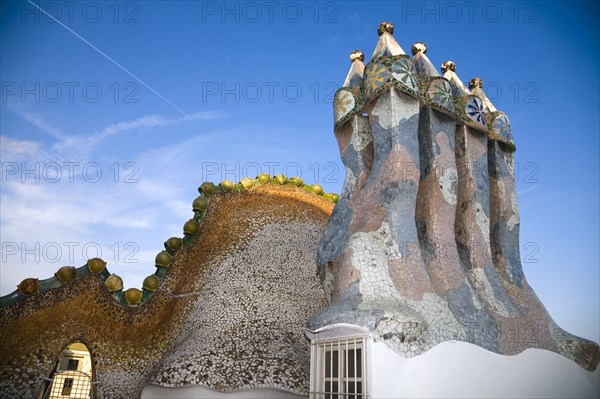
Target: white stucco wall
column 201, row 392
column 449, row 370
column 463, row 370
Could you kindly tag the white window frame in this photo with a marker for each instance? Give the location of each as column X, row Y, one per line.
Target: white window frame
column 343, row 338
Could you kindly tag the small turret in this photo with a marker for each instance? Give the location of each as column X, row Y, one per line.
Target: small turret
column 498, row 122
column 357, row 70
column 458, row 87
column 387, row 45
column 435, row 90
column 348, row 97
column 423, row 66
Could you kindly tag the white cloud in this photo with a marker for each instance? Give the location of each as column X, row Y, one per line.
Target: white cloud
column 36, row 211
column 150, row 121
column 81, row 146
column 14, row 149
column 37, row 120
column 42, row 214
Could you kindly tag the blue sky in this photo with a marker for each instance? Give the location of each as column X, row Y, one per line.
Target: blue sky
column 137, row 103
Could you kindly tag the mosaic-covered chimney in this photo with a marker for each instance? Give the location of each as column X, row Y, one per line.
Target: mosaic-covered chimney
column 423, row 246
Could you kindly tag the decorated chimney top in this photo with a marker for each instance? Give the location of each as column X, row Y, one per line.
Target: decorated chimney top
column 458, row 87
column 357, row 55
column 418, row 47
column 423, row 66
column 385, row 27
column 357, row 69
column 387, row 45
column 417, row 77
column 448, row 66
column 475, row 82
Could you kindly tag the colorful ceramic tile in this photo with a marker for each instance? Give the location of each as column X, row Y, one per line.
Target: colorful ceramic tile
column 440, row 93
column 403, row 70
column 501, row 127
column 376, row 75
column 474, row 110
column 343, row 103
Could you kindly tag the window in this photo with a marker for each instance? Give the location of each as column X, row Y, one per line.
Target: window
column 72, row 364
column 67, row 387
column 340, row 362
column 72, row 374
column 340, row 369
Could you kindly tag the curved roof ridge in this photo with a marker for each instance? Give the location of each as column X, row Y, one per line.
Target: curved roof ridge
column 134, row 296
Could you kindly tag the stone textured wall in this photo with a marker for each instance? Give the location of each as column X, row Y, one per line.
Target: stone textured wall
column 228, row 314
column 245, row 328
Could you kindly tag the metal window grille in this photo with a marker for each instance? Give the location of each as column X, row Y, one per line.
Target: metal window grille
column 340, row 369
column 70, row 384
column 67, row 386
